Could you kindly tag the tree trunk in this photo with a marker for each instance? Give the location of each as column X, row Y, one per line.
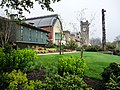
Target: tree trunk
column 60, row 48
column 81, row 53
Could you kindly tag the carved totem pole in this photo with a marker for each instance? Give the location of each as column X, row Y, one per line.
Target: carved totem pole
column 103, row 31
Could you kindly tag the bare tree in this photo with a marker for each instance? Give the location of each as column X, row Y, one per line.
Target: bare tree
column 95, row 41
column 81, row 17
column 117, row 42
column 7, row 31
column 117, row 38
column 74, row 26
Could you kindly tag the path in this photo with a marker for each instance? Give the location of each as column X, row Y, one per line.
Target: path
column 54, row 53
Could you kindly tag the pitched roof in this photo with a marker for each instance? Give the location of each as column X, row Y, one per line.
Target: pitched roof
column 24, row 24
column 30, row 26
column 43, row 21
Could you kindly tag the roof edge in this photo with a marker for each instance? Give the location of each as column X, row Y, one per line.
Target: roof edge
column 52, row 15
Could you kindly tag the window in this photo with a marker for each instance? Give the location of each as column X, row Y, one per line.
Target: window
column 57, row 36
column 21, row 32
column 30, row 34
column 41, row 35
column 36, row 35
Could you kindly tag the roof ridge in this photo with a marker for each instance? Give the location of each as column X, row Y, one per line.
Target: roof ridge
column 42, row 16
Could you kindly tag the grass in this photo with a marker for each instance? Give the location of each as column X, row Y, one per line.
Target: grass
column 96, row 62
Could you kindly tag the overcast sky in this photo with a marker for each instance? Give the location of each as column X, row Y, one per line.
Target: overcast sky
column 68, row 9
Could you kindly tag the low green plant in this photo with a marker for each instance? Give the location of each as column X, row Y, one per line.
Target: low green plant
column 72, row 45
column 72, row 65
column 110, row 46
column 112, row 69
column 113, row 83
column 93, row 48
column 7, row 60
column 7, row 48
column 66, row 82
column 15, row 59
column 111, row 75
column 16, row 80
column 24, row 56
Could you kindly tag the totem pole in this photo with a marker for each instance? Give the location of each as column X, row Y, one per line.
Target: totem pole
column 103, row 31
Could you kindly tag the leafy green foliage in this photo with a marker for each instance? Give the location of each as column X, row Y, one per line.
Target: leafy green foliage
column 18, row 81
column 116, row 52
column 113, row 83
column 110, row 46
column 24, row 57
column 93, row 48
column 51, row 45
column 71, row 45
column 7, row 48
column 7, row 60
column 71, row 65
column 15, row 59
column 67, row 82
column 111, row 76
column 113, row 68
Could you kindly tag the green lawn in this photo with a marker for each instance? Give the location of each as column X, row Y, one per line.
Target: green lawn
column 96, row 62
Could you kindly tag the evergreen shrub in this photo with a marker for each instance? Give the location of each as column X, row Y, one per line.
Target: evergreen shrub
column 71, row 65
column 66, row 82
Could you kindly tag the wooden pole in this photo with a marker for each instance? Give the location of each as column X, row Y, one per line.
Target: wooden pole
column 103, row 31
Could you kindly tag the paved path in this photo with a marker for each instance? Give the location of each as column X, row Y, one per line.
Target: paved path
column 54, row 53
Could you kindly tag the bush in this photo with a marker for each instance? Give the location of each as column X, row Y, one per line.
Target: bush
column 7, row 48
column 67, row 82
column 113, row 83
column 7, row 60
column 93, row 48
column 51, row 45
column 113, row 68
column 72, row 45
column 15, row 59
column 110, row 46
column 116, row 52
column 24, row 56
column 72, row 66
column 111, row 76
column 16, row 80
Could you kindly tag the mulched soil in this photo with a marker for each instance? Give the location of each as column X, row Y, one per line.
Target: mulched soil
column 36, row 75
column 95, row 84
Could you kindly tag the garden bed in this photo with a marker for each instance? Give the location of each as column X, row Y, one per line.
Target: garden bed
column 95, row 84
